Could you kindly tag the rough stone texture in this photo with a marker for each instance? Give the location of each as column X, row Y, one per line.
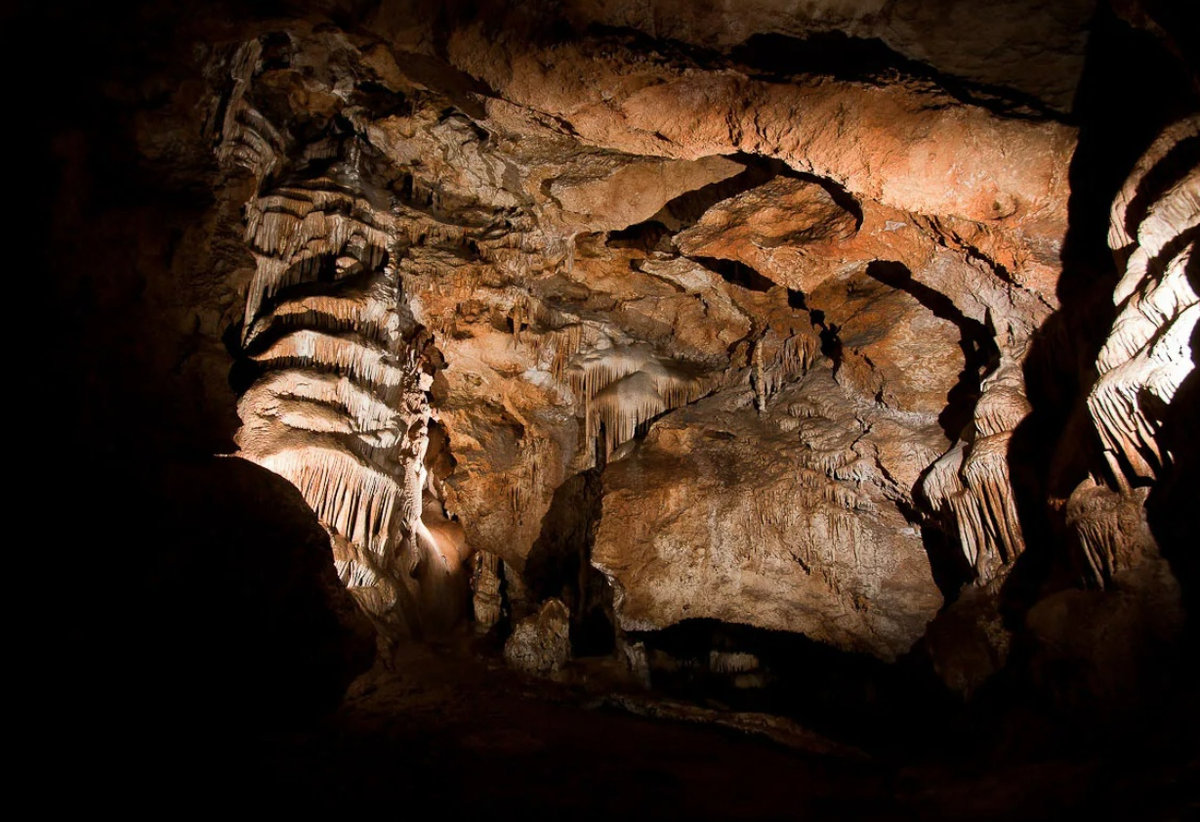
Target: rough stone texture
column 465, row 256
column 1096, row 653
column 1029, row 46
column 540, row 644
column 780, row 520
column 546, row 249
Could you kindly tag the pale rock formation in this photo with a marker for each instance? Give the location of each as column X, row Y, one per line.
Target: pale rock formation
column 1148, row 353
column 487, row 600
column 969, row 487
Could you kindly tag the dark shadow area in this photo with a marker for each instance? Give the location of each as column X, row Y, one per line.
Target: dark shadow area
column 643, row 236
column 947, row 563
column 686, row 209
column 216, row 616
column 884, row 708
column 559, row 564
column 690, row 206
column 831, row 343
column 736, row 273
column 781, row 57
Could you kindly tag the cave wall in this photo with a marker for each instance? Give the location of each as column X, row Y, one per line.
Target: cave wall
column 830, row 301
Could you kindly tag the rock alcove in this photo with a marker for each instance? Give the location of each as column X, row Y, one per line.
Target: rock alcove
column 802, row 370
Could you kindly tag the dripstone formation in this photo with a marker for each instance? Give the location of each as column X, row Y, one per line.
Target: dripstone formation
column 806, row 320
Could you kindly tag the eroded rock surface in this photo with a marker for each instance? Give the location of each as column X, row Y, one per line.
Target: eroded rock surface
column 541, row 643
column 784, row 520
column 773, row 283
column 537, row 281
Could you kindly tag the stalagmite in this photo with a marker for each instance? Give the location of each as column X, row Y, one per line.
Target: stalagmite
column 485, row 583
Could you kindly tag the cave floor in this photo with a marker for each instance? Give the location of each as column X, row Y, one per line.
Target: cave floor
column 456, row 733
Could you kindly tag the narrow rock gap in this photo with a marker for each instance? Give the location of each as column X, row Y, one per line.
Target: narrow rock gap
column 736, row 273
column 559, row 564
column 685, row 209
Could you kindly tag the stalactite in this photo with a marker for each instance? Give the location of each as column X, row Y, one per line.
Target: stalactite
column 1110, row 528
column 945, row 489
column 624, row 405
column 622, row 387
column 1147, row 354
column 1121, row 233
column 774, row 360
column 351, row 497
column 248, row 138
column 290, row 250
column 368, row 313
column 970, row 489
column 352, row 408
column 341, row 410
column 355, row 357
column 732, row 662
column 987, row 476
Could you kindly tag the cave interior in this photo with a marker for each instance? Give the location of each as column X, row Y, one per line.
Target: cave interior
column 664, row 408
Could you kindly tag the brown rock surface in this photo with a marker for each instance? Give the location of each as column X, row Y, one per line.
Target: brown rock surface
column 541, row 643
column 786, row 317
column 781, row 520
column 566, row 247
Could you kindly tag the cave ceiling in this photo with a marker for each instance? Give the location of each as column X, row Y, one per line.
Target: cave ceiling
column 771, row 283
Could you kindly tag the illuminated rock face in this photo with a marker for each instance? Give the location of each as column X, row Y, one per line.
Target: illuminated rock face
column 784, row 519
column 1148, row 352
column 783, row 319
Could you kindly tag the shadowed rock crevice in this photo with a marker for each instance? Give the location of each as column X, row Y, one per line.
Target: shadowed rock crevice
column 743, row 668
column 736, row 273
column 559, row 564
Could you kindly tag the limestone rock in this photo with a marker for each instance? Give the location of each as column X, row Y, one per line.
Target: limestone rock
column 751, row 226
column 634, row 191
column 781, row 521
column 540, row 644
column 485, row 583
column 1026, row 45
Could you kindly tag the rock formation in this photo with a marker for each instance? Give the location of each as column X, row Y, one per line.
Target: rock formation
column 658, row 312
